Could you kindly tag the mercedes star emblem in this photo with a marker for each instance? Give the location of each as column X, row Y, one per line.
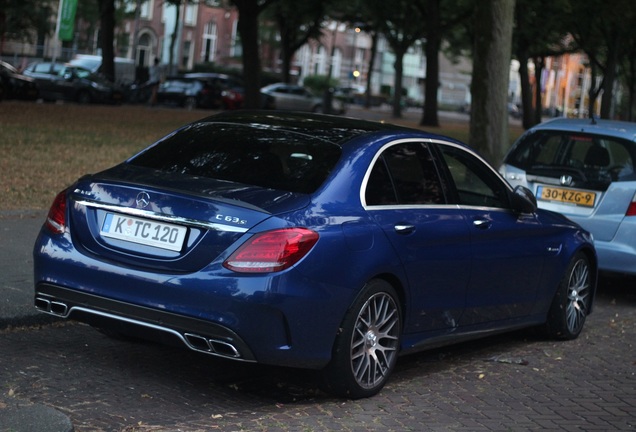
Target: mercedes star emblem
column 143, row 199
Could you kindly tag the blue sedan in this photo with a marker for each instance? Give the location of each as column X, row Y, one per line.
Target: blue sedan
column 310, row 241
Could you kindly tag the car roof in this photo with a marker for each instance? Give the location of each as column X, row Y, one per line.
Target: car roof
column 209, row 75
column 622, row 129
column 334, row 129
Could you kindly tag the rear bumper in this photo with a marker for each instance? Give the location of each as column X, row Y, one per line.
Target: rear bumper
column 616, row 257
column 166, row 327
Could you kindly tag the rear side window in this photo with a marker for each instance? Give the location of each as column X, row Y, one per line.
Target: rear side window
column 404, row 174
column 266, row 158
column 591, row 156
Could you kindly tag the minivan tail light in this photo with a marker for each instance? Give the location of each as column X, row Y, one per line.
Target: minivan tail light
column 272, row 251
column 56, row 219
column 631, row 210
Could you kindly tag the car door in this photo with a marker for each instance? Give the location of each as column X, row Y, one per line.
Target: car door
column 44, row 75
column 303, row 100
column 508, row 249
column 404, row 195
column 284, row 99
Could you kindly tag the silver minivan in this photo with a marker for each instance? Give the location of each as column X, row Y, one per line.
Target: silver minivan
column 584, row 169
column 124, row 68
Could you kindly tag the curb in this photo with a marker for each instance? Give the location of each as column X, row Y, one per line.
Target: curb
column 19, row 416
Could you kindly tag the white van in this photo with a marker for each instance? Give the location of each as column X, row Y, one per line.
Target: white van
column 124, row 68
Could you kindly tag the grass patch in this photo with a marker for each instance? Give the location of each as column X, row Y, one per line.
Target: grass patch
column 45, row 147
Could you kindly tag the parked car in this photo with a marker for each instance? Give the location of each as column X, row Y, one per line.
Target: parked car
column 124, row 68
column 353, row 94
column 14, row 85
column 62, row 81
column 584, row 169
column 229, row 89
column 310, row 241
column 188, row 93
column 297, row 98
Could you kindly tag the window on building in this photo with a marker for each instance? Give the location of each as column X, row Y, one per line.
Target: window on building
column 146, row 9
column 190, row 16
column 237, row 47
column 209, row 42
column 186, row 54
column 320, row 66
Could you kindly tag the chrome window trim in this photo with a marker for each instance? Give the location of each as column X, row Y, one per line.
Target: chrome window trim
column 365, row 180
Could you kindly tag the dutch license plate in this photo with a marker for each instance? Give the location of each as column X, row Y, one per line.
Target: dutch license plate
column 570, row 196
column 144, row 231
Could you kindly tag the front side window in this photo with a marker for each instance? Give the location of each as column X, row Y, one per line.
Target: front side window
column 475, row 183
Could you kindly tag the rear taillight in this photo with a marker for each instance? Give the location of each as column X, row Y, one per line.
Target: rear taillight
column 56, row 219
column 631, row 210
column 272, row 251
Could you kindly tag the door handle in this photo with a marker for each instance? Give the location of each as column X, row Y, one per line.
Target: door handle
column 404, row 229
column 482, row 223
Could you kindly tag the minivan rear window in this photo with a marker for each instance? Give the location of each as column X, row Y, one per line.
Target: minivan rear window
column 593, row 156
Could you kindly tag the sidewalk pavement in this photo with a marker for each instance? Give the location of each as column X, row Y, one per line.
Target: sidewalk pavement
column 18, row 231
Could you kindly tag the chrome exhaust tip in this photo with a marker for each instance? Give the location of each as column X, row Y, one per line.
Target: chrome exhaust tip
column 52, row 307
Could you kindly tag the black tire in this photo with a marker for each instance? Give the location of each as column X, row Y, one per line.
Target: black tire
column 190, row 103
column 572, row 301
column 366, row 349
column 83, row 97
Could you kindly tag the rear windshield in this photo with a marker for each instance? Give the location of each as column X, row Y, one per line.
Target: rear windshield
column 261, row 157
column 592, row 156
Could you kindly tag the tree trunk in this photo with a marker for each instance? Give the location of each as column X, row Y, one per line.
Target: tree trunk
column 526, row 90
column 172, row 67
column 538, row 101
column 107, row 23
column 286, row 50
column 248, row 30
column 594, row 91
column 609, row 79
column 397, row 94
column 374, row 50
column 432, row 48
column 491, row 70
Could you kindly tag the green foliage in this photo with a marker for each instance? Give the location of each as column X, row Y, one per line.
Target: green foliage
column 319, row 83
column 18, row 19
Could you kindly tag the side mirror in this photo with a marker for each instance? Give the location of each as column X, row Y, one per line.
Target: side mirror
column 523, row 200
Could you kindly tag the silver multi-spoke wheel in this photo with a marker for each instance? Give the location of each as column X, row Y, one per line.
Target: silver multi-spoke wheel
column 368, row 343
column 374, row 343
column 579, row 288
column 572, row 300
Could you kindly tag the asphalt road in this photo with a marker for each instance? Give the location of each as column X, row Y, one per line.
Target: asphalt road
column 507, row 383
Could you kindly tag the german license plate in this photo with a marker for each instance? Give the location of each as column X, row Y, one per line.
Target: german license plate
column 570, row 196
column 144, row 231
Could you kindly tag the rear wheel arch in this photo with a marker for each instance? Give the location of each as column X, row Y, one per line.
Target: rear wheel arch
column 368, row 342
column 397, row 285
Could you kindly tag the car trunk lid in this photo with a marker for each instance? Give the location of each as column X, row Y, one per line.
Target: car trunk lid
column 167, row 222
